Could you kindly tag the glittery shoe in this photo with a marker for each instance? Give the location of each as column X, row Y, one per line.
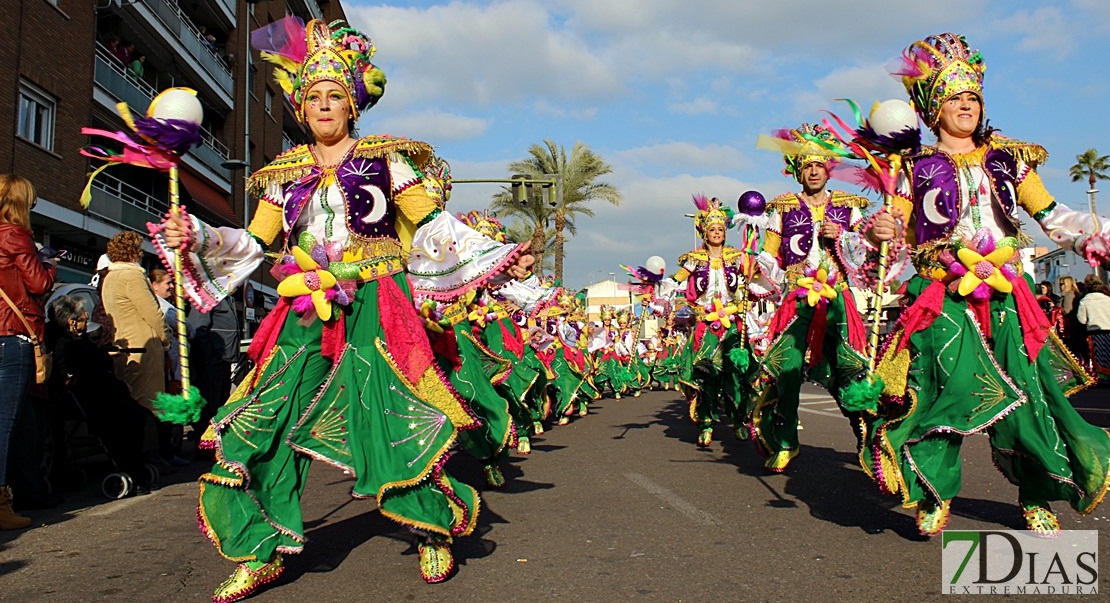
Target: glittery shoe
column 1041, row 521
column 524, row 446
column 777, row 463
column 563, row 420
column 583, row 410
column 436, row 562
column 617, row 396
column 537, row 427
column 245, row 581
column 494, row 477
column 742, row 432
column 705, row 438
column 931, row 517
column 637, row 394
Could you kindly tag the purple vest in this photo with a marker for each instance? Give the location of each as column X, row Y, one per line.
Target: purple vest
column 365, row 186
column 936, row 191
column 797, row 230
column 700, row 276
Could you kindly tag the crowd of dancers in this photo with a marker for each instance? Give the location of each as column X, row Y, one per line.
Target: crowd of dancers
column 404, row 331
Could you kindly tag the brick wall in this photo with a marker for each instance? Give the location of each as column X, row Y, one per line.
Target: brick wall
column 51, row 47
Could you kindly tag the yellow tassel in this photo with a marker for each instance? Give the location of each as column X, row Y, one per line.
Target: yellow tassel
column 86, row 193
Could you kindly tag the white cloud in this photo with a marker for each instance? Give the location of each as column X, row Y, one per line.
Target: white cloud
column 433, row 125
column 864, row 84
column 482, row 55
column 1044, row 30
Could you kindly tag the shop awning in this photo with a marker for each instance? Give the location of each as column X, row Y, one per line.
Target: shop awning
column 208, row 197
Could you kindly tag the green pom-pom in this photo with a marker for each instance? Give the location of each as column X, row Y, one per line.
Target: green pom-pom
column 177, row 409
column 740, row 358
column 862, row 395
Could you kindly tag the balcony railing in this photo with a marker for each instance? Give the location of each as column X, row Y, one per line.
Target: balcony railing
column 286, row 142
column 119, row 82
column 172, row 17
column 123, row 204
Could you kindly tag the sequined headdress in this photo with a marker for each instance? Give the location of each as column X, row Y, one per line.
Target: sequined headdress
column 804, row 145
column 937, row 68
column 485, row 224
column 318, row 52
column 711, row 211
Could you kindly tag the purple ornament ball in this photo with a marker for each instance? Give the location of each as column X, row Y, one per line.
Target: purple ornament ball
column 751, row 203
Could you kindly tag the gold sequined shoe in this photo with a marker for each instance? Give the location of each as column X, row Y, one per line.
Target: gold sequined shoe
column 932, row 517
column 1040, row 520
column 524, row 446
column 494, row 477
column 637, row 394
column 583, row 410
column 244, row 581
column 617, row 396
column 705, row 438
column 742, row 432
column 436, row 561
column 537, row 427
column 777, row 463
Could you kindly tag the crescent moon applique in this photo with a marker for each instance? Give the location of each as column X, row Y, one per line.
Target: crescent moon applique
column 377, row 206
column 794, row 245
column 929, row 206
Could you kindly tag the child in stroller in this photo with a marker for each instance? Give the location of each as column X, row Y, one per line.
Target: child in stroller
column 83, row 379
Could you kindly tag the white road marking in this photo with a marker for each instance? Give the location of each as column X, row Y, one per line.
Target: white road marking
column 672, row 499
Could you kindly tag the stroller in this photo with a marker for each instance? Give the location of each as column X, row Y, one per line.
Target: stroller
column 98, row 416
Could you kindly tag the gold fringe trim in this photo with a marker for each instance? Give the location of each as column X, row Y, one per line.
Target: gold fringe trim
column 298, row 161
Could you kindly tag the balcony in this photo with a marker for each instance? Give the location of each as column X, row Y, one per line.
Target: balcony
column 169, row 25
column 309, row 7
column 118, row 85
column 124, row 205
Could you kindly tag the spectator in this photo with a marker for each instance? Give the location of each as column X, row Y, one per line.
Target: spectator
column 1073, row 333
column 140, row 333
column 136, row 67
column 214, row 339
column 124, row 52
column 1094, row 314
column 106, row 334
column 24, row 278
column 210, row 41
column 84, row 370
column 1047, row 300
column 162, row 285
column 112, row 45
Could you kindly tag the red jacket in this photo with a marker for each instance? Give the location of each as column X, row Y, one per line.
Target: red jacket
column 25, row 279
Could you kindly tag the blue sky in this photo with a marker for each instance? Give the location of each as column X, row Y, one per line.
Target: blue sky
column 673, row 94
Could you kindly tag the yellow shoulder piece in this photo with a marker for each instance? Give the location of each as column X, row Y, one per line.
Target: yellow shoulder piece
column 730, row 253
column 784, row 202
column 290, row 165
column 381, row 146
column 1030, row 153
column 843, row 199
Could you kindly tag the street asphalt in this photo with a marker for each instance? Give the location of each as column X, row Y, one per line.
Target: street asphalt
column 619, row 505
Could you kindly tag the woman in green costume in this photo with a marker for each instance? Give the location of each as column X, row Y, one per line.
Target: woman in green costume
column 345, row 372
column 719, row 371
column 972, row 351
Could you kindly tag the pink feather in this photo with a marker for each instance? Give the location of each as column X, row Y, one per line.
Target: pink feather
column 701, row 201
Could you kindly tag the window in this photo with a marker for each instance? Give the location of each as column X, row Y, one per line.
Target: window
column 269, row 101
column 36, row 115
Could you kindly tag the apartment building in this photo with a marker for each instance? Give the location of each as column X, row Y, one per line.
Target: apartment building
column 70, row 62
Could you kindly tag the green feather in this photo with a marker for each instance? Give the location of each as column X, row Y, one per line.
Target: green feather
column 862, row 395
column 740, row 358
column 177, row 409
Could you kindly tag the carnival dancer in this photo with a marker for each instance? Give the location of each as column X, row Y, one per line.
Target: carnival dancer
column 344, row 371
column 604, row 349
column 472, row 367
column 494, row 326
column 717, row 278
column 817, row 332
column 972, row 350
column 565, row 380
column 568, row 325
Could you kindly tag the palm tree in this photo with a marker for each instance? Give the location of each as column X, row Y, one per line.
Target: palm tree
column 579, row 173
column 1092, row 167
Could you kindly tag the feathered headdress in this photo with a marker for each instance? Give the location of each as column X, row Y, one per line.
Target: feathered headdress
column 437, row 179
column 937, row 68
column 318, row 52
column 485, row 224
column 804, row 145
column 711, row 211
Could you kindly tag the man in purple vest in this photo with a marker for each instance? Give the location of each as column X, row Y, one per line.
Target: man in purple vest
column 817, row 331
